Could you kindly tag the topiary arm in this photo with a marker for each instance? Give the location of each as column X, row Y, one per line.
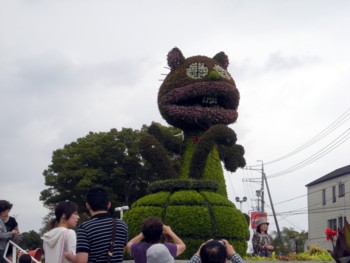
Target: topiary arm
column 218, row 134
column 232, row 156
column 153, row 152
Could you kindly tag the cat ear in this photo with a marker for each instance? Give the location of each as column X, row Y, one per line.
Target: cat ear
column 222, row 58
column 175, row 58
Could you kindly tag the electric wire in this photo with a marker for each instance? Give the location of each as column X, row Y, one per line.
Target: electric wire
column 319, row 154
column 333, row 126
column 329, row 129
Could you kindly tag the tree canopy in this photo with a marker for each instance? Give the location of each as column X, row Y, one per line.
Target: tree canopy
column 111, row 159
column 287, row 235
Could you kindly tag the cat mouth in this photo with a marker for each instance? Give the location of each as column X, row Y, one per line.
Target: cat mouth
column 201, row 103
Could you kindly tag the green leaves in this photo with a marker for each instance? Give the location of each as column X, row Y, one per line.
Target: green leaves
column 109, row 158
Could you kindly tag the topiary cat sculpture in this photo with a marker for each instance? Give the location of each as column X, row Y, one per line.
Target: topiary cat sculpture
column 199, row 97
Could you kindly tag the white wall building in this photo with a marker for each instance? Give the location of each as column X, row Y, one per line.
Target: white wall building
column 328, row 205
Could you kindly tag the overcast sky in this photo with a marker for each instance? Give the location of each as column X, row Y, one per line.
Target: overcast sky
column 70, row 67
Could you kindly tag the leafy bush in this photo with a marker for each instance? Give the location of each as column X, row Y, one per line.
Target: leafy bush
column 314, row 254
column 195, row 216
column 186, row 197
column 158, row 199
column 184, row 184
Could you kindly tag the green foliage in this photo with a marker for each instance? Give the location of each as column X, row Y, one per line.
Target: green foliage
column 186, row 198
column 168, row 137
column 175, row 185
column 258, row 258
column 287, row 234
column 215, row 199
column 189, row 221
column 155, row 154
column 213, row 171
column 195, row 216
column 214, row 75
column 30, row 240
column 217, row 134
column 232, row 156
column 186, row 158
column 192, row 245
column 224, row 227
column 135, row 217
column 109, row 158
column 158, row 199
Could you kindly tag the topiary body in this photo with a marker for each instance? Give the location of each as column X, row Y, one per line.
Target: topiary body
column 195, row 216
column 199, row 97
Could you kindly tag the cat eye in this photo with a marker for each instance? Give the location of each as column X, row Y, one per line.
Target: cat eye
column 197, row 70
column 222, row 72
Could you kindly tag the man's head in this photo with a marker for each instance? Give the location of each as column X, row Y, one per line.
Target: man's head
column 152, row 229
column 213, row 251
column 98, row 199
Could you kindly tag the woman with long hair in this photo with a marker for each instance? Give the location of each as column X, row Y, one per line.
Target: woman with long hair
column 262, row 242
column 61, row 238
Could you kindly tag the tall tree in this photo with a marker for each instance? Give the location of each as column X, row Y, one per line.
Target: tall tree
column 287, row 235
column 30, row 240
column 111, row 159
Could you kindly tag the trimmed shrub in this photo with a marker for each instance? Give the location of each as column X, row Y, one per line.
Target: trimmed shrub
column 195, row 216
column 185, row 184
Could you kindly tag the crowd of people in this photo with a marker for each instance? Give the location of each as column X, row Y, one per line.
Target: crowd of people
column 104, row 239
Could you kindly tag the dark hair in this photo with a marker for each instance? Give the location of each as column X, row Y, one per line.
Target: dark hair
column 152, row 229
column 258, row 228
column 98, row 198
column 5, row 205
column 65, row 207
column 25, row 258
column 213, row 252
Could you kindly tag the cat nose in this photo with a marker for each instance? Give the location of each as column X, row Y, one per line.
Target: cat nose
column 214, row 75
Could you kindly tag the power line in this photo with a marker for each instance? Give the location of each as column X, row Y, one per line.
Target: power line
column 333, row 126
column 319, row 154
column 307, row 194
column 329, row 129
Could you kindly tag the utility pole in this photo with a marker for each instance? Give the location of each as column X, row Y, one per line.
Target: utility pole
column 272, row 206
column 260, row 193
column 262, row 189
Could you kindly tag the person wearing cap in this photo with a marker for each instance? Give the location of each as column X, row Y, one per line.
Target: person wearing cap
column 159, row 253
column 152, row 229
column 216, row 251
column 262, row 242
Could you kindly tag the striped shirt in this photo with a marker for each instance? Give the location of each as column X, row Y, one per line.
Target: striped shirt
column 94, row 237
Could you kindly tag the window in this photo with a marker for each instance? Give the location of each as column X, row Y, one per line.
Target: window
column 332, row 223
column 334, row 198
column 341, row 189
column 323, row 196
column 340, row 222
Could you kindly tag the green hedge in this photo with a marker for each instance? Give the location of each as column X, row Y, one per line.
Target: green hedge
column 183, row 184
column 158, row 199
column 195, row 216
column 186, row 198
column 189, row 221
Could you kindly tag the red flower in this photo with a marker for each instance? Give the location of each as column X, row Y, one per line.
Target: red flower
column 330, row 233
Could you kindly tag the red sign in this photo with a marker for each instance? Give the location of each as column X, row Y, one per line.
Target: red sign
column 254, row 216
